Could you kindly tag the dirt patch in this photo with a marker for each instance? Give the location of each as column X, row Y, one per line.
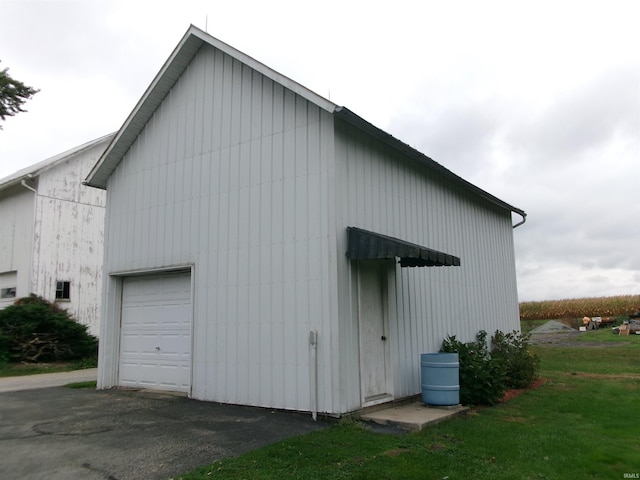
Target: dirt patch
column 515, row 392
column 515, row 419
column 436, row 447
column 396, row 452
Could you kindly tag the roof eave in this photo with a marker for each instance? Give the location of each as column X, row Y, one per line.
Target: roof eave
column 351, row 118
column 51, row 162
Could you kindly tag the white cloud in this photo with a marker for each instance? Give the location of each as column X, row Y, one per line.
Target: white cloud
column 535, row 102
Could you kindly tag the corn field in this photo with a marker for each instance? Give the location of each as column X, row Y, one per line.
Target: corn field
column 580, row 307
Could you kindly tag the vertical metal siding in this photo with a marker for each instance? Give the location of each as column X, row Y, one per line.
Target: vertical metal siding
column 231, row 175
column 389, row 195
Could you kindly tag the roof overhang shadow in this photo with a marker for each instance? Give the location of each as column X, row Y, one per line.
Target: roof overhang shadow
column 365, row 245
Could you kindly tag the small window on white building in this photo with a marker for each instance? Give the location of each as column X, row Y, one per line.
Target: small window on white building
column 8, row 292
column 62, row 290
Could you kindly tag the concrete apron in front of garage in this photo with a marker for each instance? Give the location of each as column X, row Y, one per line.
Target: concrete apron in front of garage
column 60, row 433
column 412, row 416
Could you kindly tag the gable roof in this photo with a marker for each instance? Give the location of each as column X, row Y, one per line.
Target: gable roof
column 164, row 81
column 178, row 62
column 41, row 167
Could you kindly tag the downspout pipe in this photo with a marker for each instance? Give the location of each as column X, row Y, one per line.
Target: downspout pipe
column 313, row 372
column 23, row 182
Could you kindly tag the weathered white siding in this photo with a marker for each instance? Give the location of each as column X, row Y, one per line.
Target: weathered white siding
column 16, row 238
column 69, row 235
column 380, row 191
column 52, row 228
column 232, row 176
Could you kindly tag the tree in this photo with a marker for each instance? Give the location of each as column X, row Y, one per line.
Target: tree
column 13, row 94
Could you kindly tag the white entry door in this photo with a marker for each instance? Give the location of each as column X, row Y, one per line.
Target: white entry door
column 155, row 342
column 374, row 352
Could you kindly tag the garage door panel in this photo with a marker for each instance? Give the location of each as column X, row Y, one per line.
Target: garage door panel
column 155, row 347
column 173, row 316
column 174, row 376
column 129, row 345
column 154, row 375
column 160, row 346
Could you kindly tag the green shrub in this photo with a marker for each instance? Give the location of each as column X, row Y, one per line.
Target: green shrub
column 485, row 375
column 35, row 330
column 482, row 378
column 520, row 363
column 4, row 348
column 89, row 362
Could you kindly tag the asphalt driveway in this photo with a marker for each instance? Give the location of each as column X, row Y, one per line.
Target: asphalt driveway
column 61, row 433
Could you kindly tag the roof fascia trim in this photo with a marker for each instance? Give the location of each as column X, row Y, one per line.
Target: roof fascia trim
column 268, row 72
column 153, row 96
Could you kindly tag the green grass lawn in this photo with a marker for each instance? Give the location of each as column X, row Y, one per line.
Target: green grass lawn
column 581, row 423
column 597, row 352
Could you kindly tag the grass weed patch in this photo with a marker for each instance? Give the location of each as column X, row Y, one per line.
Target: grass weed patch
column 81, row 385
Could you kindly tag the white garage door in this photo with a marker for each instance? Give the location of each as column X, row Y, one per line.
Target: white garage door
column 155, row 345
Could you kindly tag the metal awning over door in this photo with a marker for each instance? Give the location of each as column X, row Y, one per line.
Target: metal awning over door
column 365, row 245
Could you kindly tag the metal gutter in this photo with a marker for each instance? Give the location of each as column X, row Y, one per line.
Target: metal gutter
column 524, row 219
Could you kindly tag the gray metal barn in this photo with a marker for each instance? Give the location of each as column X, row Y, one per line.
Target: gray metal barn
column 231, row 270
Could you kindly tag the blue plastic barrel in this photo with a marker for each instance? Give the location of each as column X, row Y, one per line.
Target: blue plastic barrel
column 440, row 378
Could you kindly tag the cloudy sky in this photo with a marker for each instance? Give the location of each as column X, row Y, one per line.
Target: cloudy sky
column 537, row 102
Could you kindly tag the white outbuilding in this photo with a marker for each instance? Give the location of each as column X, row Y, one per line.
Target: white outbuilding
column 52, row 230
column 267, row 247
